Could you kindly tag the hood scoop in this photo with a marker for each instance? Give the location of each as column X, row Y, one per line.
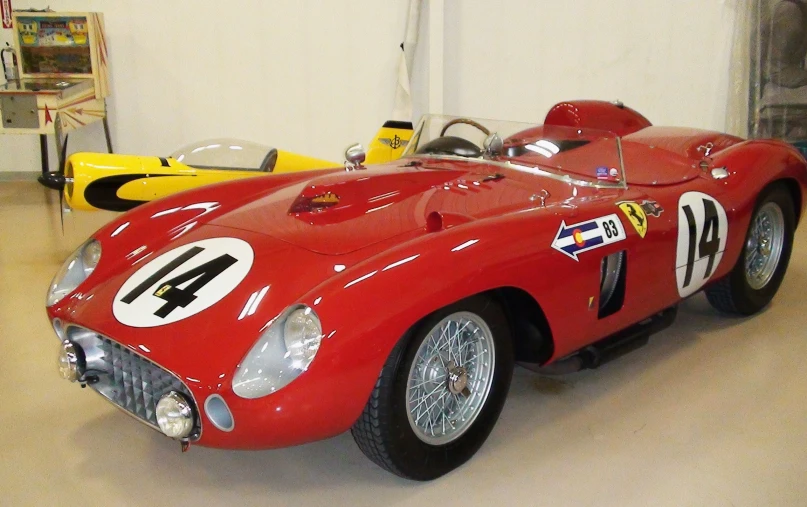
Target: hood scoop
column 330, row 200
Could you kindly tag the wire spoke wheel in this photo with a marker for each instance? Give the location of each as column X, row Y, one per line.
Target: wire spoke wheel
column 756, row 276
column 440, row 391
column 450, row 378
column 763, row 248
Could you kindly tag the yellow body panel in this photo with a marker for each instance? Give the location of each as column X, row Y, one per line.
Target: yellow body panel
column 155, row 177
column 121, row 182
column 288, row 162
column 389, row 143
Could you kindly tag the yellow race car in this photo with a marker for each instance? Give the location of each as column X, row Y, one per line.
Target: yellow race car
column 121, row 182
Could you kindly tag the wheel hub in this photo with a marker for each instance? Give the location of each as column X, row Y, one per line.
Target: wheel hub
column 765, row 247
column 458, row 380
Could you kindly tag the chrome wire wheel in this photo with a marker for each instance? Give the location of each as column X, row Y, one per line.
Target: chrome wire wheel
column 450, row 378
column 763, row 248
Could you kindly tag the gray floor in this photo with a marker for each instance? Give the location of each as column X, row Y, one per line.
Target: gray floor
column 711, row 413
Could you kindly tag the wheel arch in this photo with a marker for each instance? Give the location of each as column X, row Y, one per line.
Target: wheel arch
column 795, row 191
column 774, row 162
column 531, row 333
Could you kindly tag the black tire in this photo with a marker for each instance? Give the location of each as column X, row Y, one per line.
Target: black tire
column 733, row 294
column 383, row 432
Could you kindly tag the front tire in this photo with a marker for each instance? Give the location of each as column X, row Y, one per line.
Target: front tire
column 440, row 392
column 755, row 279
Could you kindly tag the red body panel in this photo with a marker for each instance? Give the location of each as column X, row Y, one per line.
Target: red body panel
column 596, row 114
column 370, row 269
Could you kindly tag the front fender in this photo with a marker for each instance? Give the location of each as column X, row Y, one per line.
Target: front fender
column 367, row 308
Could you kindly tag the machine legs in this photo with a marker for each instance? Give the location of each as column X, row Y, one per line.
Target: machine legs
column 54, row 180
column 106, row 134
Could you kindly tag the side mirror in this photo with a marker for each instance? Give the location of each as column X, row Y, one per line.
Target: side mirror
column 354, row 156
column 493, row 145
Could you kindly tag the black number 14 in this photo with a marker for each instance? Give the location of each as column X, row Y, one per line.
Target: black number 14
column 168, row 290
column 709, row 242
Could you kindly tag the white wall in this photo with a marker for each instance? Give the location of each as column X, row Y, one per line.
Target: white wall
column 667, row 59
column 305, row 75
column 313, row 76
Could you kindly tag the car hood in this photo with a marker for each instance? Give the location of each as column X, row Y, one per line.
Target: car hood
column 340, row 213
column 225, row 319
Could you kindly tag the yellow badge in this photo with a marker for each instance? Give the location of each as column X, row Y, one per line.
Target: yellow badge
column 162, row 290
column 636, row 215
column 327, row 199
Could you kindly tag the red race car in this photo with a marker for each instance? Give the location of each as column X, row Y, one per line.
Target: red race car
column 394, row 300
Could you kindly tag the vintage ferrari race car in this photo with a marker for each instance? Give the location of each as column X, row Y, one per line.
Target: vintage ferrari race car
column 393, row 301
column 121, row 182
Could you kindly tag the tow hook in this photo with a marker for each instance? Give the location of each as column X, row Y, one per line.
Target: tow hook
column 184, row 445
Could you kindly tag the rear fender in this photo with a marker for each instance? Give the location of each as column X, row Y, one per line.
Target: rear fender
column 756, row 164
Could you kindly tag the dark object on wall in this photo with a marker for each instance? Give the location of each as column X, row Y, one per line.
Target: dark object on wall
column 778, row 91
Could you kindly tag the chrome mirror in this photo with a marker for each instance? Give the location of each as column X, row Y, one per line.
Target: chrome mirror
column 493, row 145
column 354, row 156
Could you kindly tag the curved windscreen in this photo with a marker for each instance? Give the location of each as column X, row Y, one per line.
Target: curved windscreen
column 582, row 156
column 227, row 154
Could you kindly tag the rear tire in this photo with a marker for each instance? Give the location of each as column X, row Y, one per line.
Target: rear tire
column 466, row 391
column 755, row 279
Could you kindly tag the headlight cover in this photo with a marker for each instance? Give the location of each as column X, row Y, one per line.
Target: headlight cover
column 174, row 415
column 284, row 350
column 75, row 270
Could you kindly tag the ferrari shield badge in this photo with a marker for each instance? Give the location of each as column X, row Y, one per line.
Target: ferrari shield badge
column 581, row 237
column 636, row 216
column 637, row 213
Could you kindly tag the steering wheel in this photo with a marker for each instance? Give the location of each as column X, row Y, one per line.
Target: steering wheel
column 466, row 121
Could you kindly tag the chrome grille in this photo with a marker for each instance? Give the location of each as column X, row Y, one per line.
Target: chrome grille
column 126, row 378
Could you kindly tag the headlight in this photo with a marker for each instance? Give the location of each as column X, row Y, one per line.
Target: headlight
column 71, row 361
column 174, row 415
column 75, row 270
column 281, row 354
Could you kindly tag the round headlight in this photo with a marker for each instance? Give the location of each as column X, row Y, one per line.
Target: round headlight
column 90, row 255
column 282, row 353
column 175, row 415
column 71, row 361
column 302, row 334
column 75, row 270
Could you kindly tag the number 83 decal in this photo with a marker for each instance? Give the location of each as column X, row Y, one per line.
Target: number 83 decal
column 702, row 234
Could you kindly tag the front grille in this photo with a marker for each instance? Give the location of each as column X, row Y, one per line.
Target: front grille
column 126, row 378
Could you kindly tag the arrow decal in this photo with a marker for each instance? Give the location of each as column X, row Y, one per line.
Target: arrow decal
column 575, row 239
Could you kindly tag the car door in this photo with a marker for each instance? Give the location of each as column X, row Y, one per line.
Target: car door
column 681, row 235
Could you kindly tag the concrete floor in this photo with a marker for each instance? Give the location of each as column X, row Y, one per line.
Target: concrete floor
column 711, row 413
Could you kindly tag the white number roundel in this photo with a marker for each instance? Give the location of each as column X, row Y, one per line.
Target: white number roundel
column 183, row 282
column 702, row 233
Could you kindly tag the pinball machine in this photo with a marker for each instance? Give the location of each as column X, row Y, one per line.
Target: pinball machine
column 59, row 81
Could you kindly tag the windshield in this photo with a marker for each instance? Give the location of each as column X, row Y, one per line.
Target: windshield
column 582, row 156
column 227, row 154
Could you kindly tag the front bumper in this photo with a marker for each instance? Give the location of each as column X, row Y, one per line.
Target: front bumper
column 125, row 378
column 320, row 404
